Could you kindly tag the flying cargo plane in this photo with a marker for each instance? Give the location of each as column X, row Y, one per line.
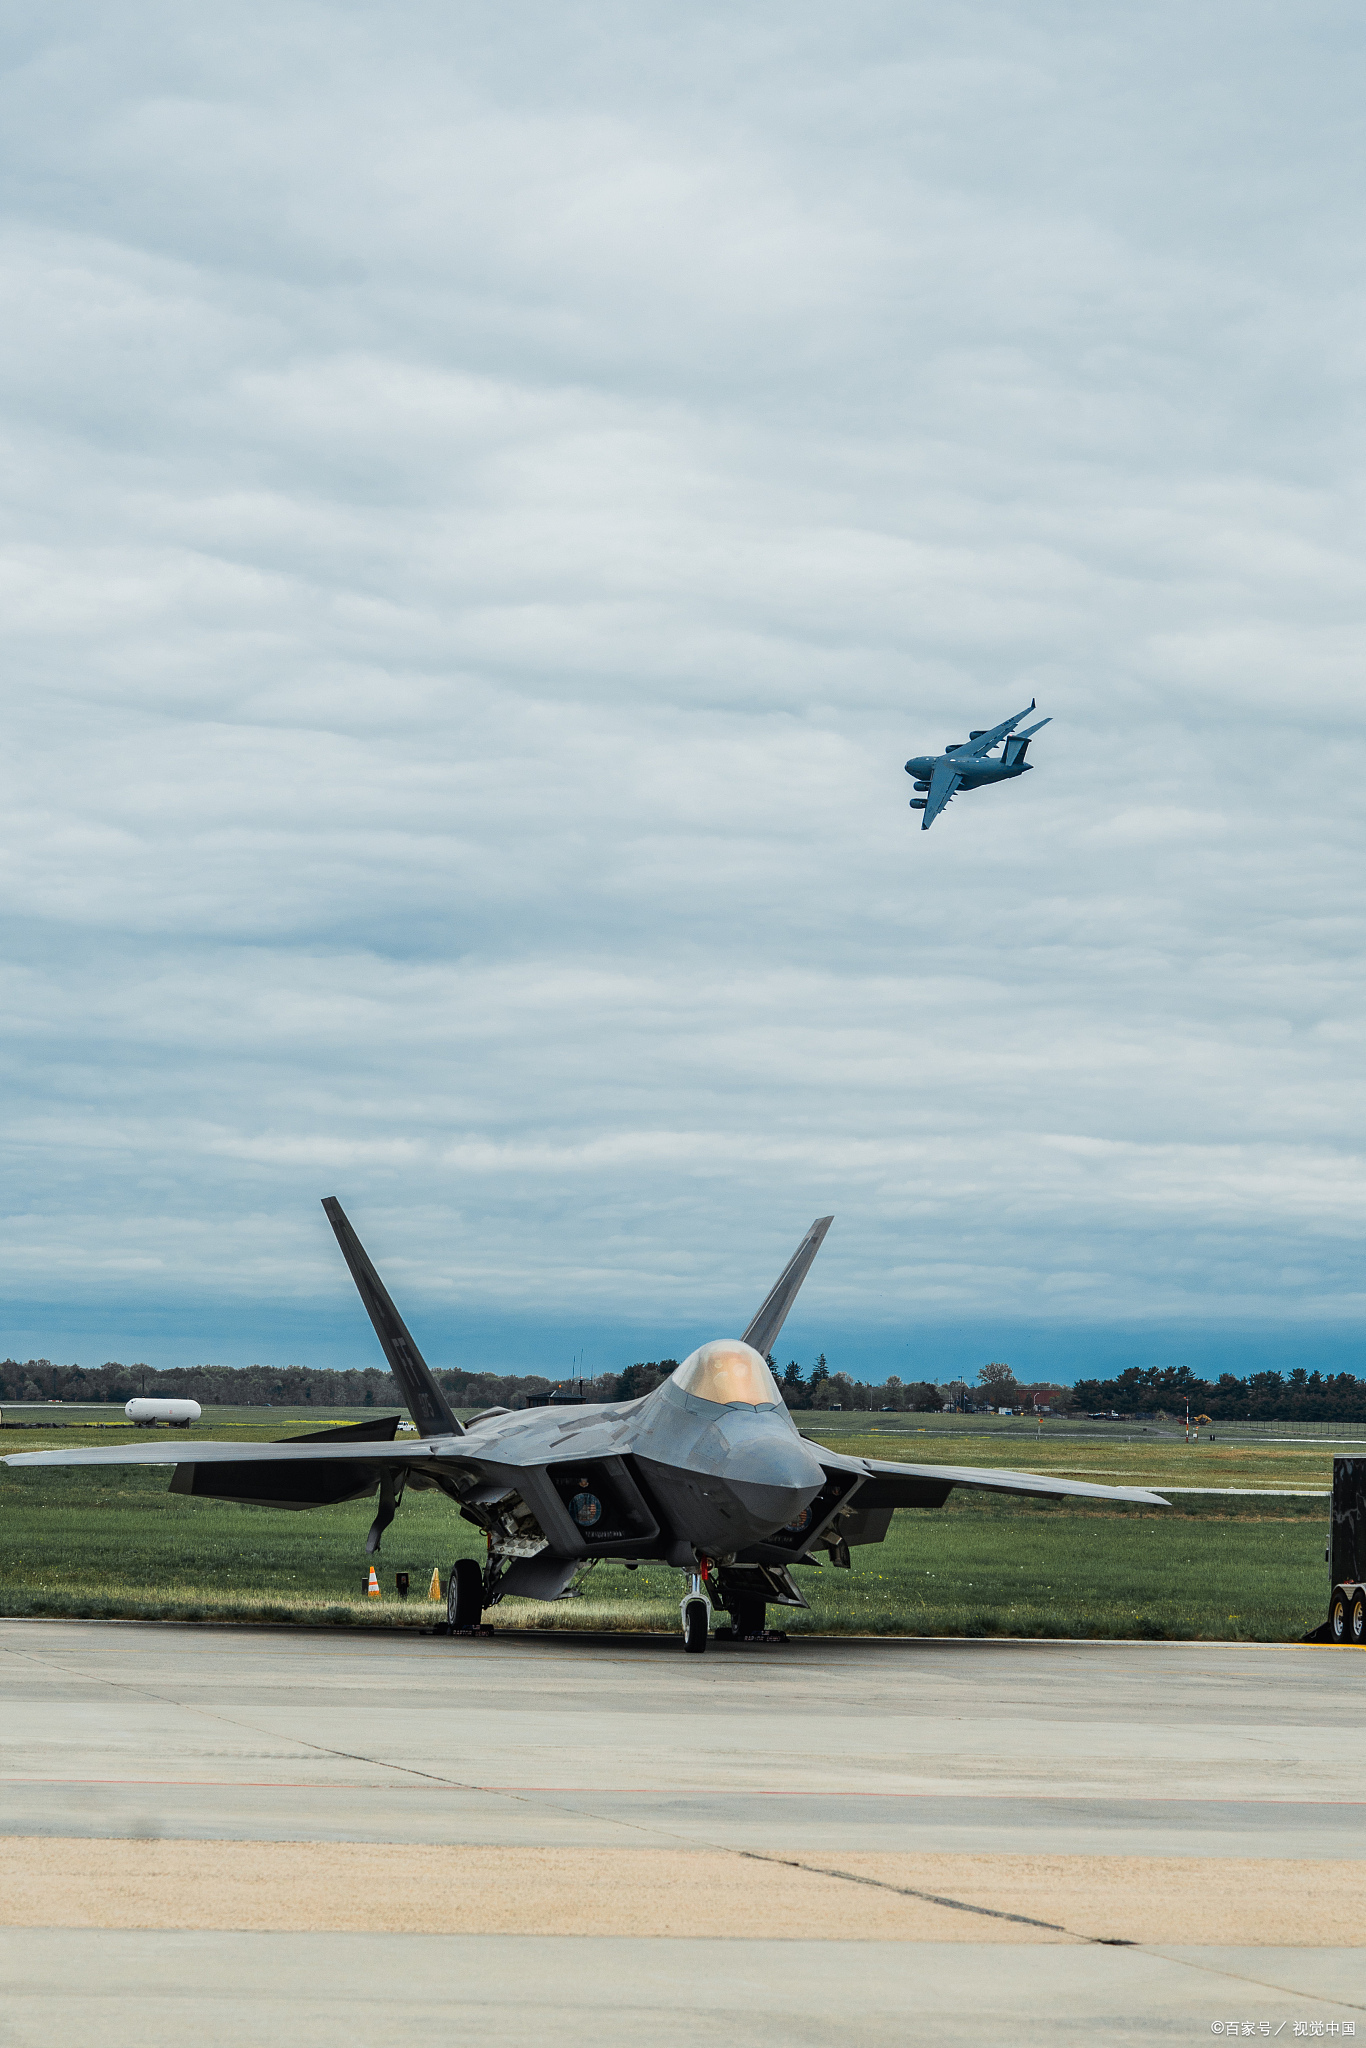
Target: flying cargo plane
column 709, row 1473
column 971, row 764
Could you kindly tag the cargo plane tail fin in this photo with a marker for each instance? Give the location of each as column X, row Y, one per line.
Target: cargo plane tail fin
column 1017, row 746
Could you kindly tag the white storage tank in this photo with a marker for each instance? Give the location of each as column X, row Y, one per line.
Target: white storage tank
column 180, row 1414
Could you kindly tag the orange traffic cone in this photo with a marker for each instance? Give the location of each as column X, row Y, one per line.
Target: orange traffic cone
column 434, row 1590
column 373, row 1588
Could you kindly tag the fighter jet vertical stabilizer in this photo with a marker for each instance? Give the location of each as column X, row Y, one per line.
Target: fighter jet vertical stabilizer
column 764, row 1331
column 427, row 1405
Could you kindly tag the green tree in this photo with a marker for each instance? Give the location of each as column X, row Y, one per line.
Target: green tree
column 793, row 1385
column 999, row 1384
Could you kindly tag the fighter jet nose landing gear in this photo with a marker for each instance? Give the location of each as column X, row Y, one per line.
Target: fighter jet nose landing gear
column 695, row 1609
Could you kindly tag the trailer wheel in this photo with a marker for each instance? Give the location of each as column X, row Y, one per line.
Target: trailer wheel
column 465, row 1595
column 1359, row 1618
column 1337, row 1618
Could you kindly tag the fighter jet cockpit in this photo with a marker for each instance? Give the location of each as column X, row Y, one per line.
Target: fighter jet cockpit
column 729, row 1372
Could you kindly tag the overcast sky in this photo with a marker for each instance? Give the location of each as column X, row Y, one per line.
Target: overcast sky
column 492, row 497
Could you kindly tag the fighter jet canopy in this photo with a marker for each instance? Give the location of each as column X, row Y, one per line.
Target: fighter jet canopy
column 729, row 1371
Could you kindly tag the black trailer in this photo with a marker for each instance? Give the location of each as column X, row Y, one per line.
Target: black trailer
column 1347, row 1552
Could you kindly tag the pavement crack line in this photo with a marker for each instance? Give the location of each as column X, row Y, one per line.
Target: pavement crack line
column 907, row 1891
column 1051, row 1926
column 1242, row 1976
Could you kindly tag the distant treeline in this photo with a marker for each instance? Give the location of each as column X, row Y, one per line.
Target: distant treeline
column 1298, row 1396
column 293, row 1386
column 301, row 1386
column 248, row 1386
column 1263, row 1396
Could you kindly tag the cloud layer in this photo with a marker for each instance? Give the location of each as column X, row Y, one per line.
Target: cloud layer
column 489, row 504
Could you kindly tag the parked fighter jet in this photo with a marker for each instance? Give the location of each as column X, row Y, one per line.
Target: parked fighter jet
column 970, row 765
column 709, row 1473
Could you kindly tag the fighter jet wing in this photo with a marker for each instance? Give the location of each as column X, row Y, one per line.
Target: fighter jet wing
column 985, row 741
column 944, row 780
column 291, row 1451
column 346, row 1463
column 906, row 1486
column 304, row 1473
column 297, row 1472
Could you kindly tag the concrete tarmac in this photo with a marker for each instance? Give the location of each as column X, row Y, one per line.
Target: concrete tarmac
column 846, row 1756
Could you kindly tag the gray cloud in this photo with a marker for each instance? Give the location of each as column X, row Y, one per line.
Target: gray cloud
column 488, row 505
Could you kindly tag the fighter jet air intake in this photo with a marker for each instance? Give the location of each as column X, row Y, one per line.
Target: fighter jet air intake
column 709, row 1473
column 971, row 764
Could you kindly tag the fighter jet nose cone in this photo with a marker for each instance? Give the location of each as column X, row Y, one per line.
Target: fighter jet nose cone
column 784, row 1462
column 773, row 1474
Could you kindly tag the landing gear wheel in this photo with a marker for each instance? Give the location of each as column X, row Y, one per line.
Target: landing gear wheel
column 1358, row 1631
column 746, row 1618
column 1337, row 1618
column 695, row 1627
column 465, row 1595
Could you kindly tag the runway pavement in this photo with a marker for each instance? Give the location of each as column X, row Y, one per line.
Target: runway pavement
column 604, row 1841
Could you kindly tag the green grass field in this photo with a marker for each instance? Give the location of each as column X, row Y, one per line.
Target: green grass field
column 92, row 1542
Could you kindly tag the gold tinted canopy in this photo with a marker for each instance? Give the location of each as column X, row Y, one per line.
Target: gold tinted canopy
column 728, row 1371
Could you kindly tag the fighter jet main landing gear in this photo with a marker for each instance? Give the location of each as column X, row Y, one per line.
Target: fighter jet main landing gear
column 746, row 1619
column 695, row 1609
column 465, row 1597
